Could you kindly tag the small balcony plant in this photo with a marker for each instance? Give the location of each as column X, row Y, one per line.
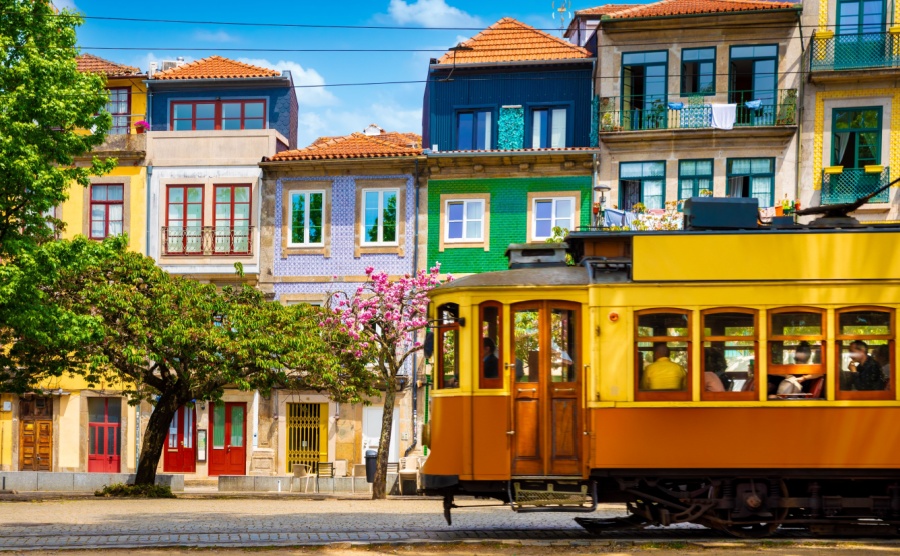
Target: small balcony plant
column 141, row 126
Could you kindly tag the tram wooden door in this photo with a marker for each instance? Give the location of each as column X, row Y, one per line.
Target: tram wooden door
column 546, row 392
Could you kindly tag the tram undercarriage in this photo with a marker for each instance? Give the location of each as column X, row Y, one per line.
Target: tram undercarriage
column 746, row 505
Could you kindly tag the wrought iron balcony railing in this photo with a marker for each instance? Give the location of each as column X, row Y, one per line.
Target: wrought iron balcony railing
column 852, row 52
column 201, row 241
column 853, row 183
column 772, row 108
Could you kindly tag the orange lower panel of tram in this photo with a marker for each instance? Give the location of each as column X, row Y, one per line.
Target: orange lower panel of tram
column 469, row 438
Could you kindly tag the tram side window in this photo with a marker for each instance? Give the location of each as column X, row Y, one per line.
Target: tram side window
column 490, row 355
column 562, row 345
column 796, row 364
column 662, row 355
column 865, row 353
column 525, row 343
column 448, row 346
column 729, row 354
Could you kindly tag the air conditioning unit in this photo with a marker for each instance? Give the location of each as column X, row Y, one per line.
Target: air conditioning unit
column 171, row 64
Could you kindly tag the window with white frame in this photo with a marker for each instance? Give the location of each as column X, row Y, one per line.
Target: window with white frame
column 380, row 217
column 465, row 220
column 557, row 212
column 307, row 218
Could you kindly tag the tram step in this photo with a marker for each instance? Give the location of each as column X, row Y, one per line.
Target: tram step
column 546, row 497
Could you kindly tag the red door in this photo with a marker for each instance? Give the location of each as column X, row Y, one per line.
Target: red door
column 104, row 438
column 228, row 452
column 180, row 453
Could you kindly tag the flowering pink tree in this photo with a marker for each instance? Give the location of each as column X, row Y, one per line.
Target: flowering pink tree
column 387, row 317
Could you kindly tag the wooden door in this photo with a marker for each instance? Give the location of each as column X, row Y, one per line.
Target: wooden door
column 546, row 414
column 104, row 435
column 35, row 445
column 180, row 455
column 228, row 453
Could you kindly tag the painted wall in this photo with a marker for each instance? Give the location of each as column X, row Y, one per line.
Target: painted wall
column 491, row 88
column 508, row 218
column 75, row 212
column 281, row 105
column 341, row 270
column 6, row 432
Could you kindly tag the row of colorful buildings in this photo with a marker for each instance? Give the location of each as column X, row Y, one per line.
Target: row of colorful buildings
column 521, row 132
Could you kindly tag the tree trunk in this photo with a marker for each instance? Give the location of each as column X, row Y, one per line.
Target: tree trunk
column 155, row 438
column 379, row 487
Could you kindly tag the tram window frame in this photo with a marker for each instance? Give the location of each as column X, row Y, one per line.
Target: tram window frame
column 839, row 338
column 664, row 395
column 744, row 394
column 786, row 370
column 484, row 382
column 445, row 325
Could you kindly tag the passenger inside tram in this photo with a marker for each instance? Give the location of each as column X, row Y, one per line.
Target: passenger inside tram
column 663, row 373
column 489, row 359
column 867, row 373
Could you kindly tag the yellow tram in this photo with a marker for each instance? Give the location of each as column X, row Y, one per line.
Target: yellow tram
column 739, row 379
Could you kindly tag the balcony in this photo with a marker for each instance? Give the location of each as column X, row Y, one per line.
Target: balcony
column 853, row 183
column 866, row 51
column 779, row 109
column 207, row 241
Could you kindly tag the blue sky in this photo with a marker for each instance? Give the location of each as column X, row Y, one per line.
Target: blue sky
column 323, row 111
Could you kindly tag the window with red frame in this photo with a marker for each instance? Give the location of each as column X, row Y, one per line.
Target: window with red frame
column 119, row 107
column 107, row 206
column 203, row 115
column 184, row 219
column 232, row 219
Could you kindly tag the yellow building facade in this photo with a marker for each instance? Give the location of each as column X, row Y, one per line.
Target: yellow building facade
column 851, row 119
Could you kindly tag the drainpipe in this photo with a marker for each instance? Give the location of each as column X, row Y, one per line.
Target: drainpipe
column 415, row 360
column 801, row 89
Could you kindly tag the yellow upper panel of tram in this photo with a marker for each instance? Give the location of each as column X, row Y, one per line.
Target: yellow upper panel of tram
column 804, row 255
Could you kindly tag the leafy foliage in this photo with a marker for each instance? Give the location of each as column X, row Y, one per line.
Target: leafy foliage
column 165, row 339
column 45, row 106
column 386, row 318
column 120, row 490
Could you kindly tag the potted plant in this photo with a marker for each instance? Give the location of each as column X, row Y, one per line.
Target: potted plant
column 141, row 126
column 639, row 208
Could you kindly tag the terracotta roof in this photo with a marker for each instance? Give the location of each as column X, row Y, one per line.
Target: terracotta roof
column 356, row 145
column 215, row 67
column 691, row 7
column 605, row 9
column 509, row 40
column 523, row 151
column 88, row 63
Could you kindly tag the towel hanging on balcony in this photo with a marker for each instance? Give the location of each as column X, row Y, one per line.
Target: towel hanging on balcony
column 753, row 104
column 723, row 115
column 676, row 105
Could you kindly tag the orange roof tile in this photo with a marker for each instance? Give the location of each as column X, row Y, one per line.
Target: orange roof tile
column 215, row 67
column 509, row 40
column 88, row 63
column 605, row 9
column 356, row 145
column 691, row 7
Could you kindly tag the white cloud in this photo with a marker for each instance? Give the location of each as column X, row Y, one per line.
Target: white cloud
column 66, row 5
column 306, row 96
column 430, row 13
column 389, row 116
column 214, row 36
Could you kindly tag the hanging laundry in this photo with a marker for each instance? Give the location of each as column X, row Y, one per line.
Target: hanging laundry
column 676, row 105
column 723, row 115
column 753, row 104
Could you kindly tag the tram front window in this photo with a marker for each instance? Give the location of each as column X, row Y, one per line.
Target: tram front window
column 562, row 330
column 865, row 351
column 526, row 345
column 729, row 354
column 490, row 355
column 663, row 353
column 448, row 346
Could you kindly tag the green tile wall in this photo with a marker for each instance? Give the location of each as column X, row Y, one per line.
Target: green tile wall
column 509, row 199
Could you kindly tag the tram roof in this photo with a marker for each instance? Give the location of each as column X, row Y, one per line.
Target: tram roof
column 523, row 277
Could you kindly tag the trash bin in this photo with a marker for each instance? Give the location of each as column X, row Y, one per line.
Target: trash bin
column 371, row 456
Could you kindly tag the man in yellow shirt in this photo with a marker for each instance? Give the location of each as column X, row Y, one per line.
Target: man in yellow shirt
column 663, row 373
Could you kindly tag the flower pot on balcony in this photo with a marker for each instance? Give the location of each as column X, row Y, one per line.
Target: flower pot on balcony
column 139, row 130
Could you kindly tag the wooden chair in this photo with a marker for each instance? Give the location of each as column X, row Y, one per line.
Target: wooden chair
column 325, row 469
column 301, row 471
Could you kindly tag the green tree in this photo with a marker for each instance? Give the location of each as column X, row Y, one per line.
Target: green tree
column 167, row 340
column 45, row 107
